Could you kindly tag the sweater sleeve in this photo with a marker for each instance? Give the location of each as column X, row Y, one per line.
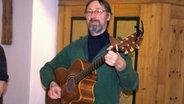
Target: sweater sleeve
column 63, row 59
column 128, row 78
column 47, row 71
column 3, row 66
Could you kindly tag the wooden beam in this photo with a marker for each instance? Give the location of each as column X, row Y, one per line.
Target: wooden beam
column 7, row 22
column 83, row 2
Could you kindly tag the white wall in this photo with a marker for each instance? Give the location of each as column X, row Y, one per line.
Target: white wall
column 43, row 48
column 34, row 43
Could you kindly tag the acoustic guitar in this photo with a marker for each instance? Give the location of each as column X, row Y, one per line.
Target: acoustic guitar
column 77, row 82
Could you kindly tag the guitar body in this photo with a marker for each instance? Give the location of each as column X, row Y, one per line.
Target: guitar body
column 73, row 92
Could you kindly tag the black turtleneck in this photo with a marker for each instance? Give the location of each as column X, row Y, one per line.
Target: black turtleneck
column 96, row 43
column 3, row 65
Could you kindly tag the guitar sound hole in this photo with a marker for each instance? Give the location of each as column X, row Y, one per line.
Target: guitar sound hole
column 71, row 84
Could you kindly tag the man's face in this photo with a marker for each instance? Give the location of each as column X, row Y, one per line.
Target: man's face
column 97, row 18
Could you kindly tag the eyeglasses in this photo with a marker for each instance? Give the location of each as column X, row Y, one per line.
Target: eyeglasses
column 96, row 12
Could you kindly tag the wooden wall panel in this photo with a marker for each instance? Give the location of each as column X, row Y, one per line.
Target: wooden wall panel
column 160, row 56
column 60, row 41
column 163, row 53
column 78, row 11
column 175, row 76
column 129, row 10
column 67, row 25
column 177, row 12
column 83, row 2
column 153, row 54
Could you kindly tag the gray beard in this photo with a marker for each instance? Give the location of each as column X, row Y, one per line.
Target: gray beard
column 95, row 29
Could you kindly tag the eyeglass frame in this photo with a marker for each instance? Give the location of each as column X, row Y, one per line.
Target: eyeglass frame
column 96, row 12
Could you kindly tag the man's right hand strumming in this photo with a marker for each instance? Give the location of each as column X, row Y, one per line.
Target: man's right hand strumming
column 54, row 90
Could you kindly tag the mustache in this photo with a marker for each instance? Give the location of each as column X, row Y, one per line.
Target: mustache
column 94, row 20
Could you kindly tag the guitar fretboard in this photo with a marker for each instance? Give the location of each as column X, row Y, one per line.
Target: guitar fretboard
column 94, row 65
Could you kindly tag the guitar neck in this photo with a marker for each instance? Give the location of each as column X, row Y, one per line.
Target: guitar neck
column 93, row 66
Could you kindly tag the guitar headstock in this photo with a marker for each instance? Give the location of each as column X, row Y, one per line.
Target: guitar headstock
column 131, row 42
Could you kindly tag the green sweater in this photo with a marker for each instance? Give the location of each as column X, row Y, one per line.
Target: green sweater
column 109, row 82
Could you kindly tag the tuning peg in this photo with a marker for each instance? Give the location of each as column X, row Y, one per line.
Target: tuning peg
column 126, row 38
column 132, row 35
column 131, row 49
column 122, row 48
column 137, row 46
column 126, row 52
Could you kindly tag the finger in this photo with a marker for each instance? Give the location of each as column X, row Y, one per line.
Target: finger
column 57, row 92
column 51, row 95
column 109, row 60
column 110, row 47
column 54, row 93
